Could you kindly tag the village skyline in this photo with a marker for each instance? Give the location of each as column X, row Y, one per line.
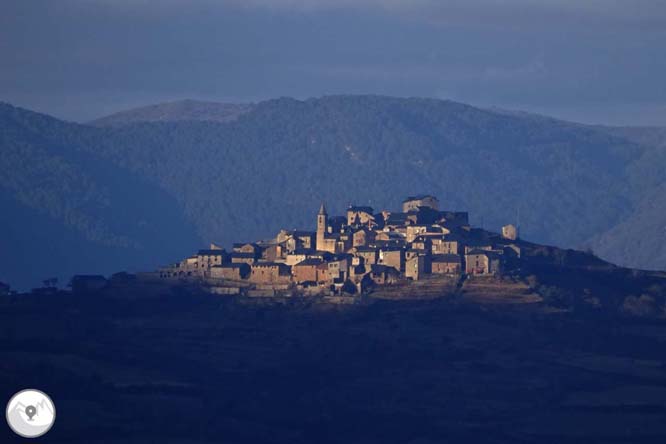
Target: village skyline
column 353, row 253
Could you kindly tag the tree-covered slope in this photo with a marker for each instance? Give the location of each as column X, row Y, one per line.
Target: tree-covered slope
column 67, row 210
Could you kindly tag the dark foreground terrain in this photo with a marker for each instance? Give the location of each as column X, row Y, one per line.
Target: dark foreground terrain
column 186, row 367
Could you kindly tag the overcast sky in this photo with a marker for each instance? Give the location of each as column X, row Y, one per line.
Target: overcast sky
column 598, row 61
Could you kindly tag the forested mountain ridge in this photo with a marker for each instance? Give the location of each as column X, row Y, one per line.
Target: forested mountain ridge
column 271, row 165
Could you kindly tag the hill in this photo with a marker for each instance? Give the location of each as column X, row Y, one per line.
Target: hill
column 408, row 371
column 270, row 165
column 182, row 110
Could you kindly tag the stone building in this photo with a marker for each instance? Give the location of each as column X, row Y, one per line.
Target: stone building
column 383, row 275
column 187, row 267
column 392, row 257
column 446, row 245
column 274, row 253
column 510, row 232
column 422, row 243
column 424, row 200
column 325, row 241
column 270, row 273
column 338, row 268
column 482, row 262
column 209, row 258
column 311, row 270
column 362, row 236
column 416, row 265
column 296, row 239
column 242, row 258
column 297, row 256
column 234, row 272
column 359, row 215
column 370, row 255
column 248, row 247
column 446, row 264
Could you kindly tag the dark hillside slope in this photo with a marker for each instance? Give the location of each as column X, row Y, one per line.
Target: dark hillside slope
column 65, row 209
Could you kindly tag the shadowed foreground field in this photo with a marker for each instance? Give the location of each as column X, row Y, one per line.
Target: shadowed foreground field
column 192, row 368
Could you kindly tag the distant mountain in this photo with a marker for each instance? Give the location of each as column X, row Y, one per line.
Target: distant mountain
column 649, row 136
column 160, row 184
column 182, row 110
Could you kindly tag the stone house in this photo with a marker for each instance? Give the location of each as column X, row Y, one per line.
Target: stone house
column 392, row 257
column 343, row 243
column 305, row 239
column 446, row 245
column 369, row 255
column 362, row 237
column 413, row 231
column 446, row 264
column 249, row 247
column 270, row 273
column 234, row 272
column 186, row 267
column 392, row 235
column 482, row 262
column 383, row 275
column 360, row 215
column 510, row 232
column 423, row 200
column 296, row 239
column 297, row 256
column 338, row 268
column 208, row 258
column 274, row 252
column 306, row 270
column 310, row 270
column 303, row 254
column 242, row 258
column 422, row 243
column 416, row 265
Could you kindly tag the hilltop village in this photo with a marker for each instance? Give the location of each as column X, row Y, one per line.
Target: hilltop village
column 354, row 253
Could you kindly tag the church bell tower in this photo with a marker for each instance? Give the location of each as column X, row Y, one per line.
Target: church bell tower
column 322, row 227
